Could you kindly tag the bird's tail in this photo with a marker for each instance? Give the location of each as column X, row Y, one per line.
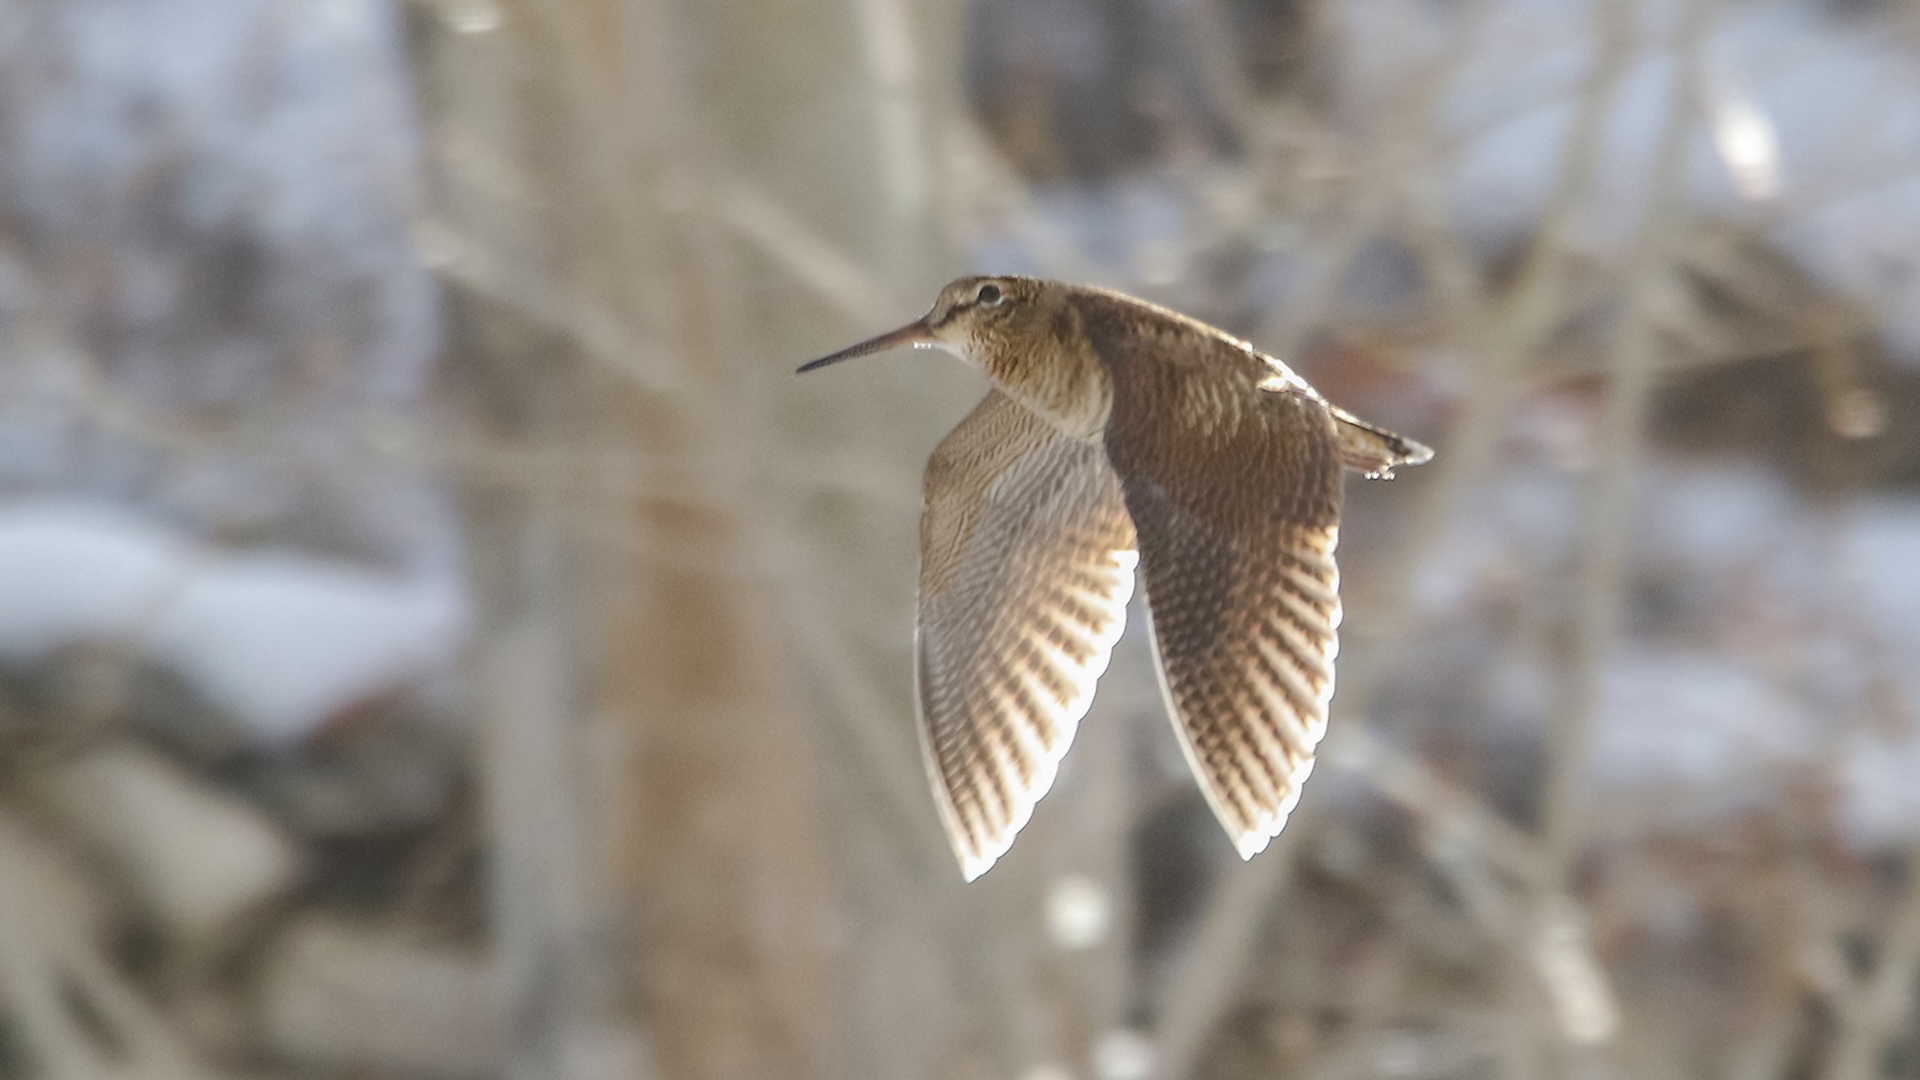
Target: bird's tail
column 1372, row 450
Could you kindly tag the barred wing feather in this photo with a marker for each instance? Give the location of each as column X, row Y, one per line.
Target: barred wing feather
column 1238, row 511
column 1027, row 559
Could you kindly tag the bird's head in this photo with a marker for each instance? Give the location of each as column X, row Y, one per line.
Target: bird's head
column 990, row 322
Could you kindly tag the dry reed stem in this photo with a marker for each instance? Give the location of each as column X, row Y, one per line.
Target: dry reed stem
column 1632, row 363
column 1586, row 1013
column 78, row 1018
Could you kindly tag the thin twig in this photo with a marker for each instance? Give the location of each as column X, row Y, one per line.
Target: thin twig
column 816, row 263
column 603, row 335
column 1632, row 362
column 1211, row 973
column 1571, row 976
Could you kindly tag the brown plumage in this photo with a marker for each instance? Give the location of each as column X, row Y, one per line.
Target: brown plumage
column 1117, row 426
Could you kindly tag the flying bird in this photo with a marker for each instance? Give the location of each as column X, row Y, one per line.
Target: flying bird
column 1118, row 436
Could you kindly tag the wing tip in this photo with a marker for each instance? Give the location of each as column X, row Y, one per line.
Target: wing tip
column 973, row 866
column 976, row 858
column 976, row 861
column 1272, row 822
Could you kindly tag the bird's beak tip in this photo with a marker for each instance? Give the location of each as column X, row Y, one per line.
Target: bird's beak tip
column 914, row 333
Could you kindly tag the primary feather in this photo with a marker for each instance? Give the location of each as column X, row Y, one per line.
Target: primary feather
column 1027, row 563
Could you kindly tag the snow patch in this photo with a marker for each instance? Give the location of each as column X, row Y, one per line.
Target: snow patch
column 282, row 640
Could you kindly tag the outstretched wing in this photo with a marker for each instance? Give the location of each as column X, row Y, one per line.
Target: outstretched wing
column 1235, row 492
column 1026, row 564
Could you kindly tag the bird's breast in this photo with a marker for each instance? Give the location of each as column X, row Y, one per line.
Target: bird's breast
column 1069, row 389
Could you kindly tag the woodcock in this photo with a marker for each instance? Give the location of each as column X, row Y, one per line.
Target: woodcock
column 1120, row 433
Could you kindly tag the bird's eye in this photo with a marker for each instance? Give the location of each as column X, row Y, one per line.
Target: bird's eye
column 989, row 295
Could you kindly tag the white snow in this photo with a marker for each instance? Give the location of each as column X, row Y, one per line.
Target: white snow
column 1880, row 791
column 1813, row 131
column 1793, row 646
column 1881, row 548
column 282, row 640
column 1880, row 769
column 1673, row 718
column 73, row 572
column 286, row 641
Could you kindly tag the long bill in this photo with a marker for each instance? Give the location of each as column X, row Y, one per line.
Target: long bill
column 916, row 332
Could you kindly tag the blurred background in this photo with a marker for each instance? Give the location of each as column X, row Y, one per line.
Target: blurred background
column 440, row 638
